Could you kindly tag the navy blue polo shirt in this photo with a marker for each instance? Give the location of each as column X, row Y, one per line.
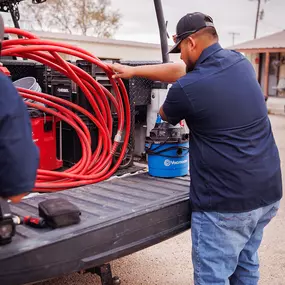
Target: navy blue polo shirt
column 234, row 161
column 19, row 156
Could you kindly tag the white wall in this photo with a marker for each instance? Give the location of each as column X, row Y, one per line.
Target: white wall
column 251, row 57
column 120, row 51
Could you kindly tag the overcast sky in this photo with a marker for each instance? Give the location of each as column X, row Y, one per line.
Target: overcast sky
column 138, row 22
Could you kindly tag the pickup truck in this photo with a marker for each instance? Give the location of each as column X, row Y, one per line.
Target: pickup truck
column 120, row 216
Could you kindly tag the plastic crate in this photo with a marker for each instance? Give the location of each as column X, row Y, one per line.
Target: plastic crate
column 71, row 146
column 65, row 90
column 139, row 89
column 87, row 67
column 98, row 74
column 91, row 68
column 83, row 102
column 40, row 76
column 20, row 68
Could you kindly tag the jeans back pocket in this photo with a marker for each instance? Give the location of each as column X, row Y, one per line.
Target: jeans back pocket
column 235, row 221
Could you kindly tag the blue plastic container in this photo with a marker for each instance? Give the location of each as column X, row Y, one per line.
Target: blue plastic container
column 168, row 160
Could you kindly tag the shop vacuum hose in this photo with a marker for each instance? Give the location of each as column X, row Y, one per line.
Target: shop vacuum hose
column 92, row 167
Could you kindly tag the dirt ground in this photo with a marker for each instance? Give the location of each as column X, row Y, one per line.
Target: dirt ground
column 170, row 261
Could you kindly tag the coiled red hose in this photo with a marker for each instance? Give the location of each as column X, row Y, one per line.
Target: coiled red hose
column 92, row 167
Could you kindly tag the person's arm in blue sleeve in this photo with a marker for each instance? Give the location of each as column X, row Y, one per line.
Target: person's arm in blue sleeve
column 19, row 156
column 176, row 106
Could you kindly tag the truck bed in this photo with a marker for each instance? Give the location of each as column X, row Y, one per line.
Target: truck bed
column 119, row 217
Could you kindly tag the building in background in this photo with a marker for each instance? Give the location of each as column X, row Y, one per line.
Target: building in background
column 108, row 48
column 267, row 55
column 100, row 47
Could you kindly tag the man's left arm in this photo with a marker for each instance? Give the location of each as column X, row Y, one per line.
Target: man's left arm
column 19, row 156
column 176, row 106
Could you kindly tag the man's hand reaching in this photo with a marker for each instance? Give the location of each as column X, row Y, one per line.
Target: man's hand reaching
column 167, row 72
column 122, row 71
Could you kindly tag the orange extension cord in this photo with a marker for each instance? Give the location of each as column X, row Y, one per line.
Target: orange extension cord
column 92, row 167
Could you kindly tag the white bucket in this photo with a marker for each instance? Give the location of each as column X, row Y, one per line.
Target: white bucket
column 29, row 83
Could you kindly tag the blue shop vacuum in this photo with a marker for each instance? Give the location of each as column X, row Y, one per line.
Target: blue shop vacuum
column 167, row 148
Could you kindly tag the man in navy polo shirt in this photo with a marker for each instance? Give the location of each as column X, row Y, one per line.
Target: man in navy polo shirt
column 234, row 162
column 19, row 156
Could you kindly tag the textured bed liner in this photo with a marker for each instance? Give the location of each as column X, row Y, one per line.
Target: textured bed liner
column 119, row 217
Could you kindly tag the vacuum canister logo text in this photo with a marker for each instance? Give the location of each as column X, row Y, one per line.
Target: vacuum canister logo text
column 168, row 162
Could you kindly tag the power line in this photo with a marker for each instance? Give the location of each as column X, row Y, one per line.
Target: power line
column 233, row 36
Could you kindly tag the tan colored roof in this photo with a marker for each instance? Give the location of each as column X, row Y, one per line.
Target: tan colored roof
column 276, row 40
column 59, row 36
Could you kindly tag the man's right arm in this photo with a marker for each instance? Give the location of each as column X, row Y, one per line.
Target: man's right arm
column 167, row 72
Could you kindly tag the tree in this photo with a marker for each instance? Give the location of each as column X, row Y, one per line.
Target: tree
column 87, row 17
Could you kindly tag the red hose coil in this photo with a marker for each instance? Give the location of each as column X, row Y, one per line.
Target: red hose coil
column 92, row 167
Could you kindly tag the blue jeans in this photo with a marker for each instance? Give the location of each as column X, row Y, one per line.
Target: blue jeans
column 224, row 246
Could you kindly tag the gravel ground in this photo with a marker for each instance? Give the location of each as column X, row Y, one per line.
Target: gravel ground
column 276, row 105
column 170, row 261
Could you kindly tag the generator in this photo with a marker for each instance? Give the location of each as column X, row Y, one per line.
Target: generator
column 44, row 136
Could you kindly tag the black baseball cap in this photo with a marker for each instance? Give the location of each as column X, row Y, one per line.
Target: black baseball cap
column 188, row 25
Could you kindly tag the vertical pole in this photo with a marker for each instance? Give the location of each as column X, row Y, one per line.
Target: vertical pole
column 234, row 36
column 12, row 9
column 266, row 74
column 162, row 30
column 257, row 18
